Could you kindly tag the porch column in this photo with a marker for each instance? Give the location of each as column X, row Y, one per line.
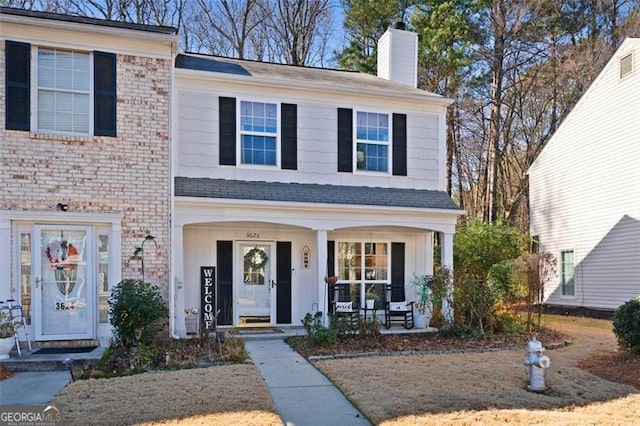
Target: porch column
column 446, row 260
column 115, row 265
column 321, row 272
column 5, row 260
column 176, row 287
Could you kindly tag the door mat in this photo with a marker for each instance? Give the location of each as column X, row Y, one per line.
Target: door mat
column 256, row 330
column 56, row 351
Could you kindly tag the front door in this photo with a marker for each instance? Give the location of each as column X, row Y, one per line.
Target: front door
column 64, row 283
column 256, row 290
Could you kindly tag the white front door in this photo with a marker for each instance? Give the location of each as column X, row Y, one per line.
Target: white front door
column 64, row 284
column 255, row 292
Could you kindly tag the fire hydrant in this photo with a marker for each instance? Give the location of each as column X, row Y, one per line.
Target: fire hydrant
column 537, row 363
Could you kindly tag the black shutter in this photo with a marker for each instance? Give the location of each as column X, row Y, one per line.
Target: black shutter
column 397, row 272
column 17, row 85
column 399, row 144
column 104, row 85
column 345, row 140
column 225, row 281
column 227, row 115
column 331, row 268
column 289, row 145
column 283, row 278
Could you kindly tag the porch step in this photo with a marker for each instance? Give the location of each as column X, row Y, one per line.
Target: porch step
column 29, row 361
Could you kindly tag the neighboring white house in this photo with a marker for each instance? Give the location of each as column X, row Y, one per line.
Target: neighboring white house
column 285, row 175
column 585, row 191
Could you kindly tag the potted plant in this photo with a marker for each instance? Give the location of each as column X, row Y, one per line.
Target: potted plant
column 426, row 298
column 7, row 335
column 371, row 297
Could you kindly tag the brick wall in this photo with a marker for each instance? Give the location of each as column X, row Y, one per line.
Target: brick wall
column 127, row 174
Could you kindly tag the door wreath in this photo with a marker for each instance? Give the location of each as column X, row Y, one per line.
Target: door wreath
column 59, row 253
column 256, row 258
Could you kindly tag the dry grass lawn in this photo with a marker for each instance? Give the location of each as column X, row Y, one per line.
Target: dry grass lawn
column 489, row 388
column 486, row 388
column 221, row 395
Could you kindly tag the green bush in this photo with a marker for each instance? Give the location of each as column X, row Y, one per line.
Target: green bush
column 478, row 246
column 318, row 334
column 136, row 310
column 626, row 325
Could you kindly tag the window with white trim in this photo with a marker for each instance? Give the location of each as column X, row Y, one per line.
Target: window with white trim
column 365, row 266
column 64, row 91
column 372, row 142
column 258, row 133
column 567, row 278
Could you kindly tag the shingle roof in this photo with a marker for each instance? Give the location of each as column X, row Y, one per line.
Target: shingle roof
column 312, row 193
column 92, row 21
column 321, row 77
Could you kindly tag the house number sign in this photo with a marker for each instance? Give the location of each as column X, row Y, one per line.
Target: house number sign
column 253, row 235
column 208, row 296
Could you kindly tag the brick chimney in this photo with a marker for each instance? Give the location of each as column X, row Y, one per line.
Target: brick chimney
column 398, row 55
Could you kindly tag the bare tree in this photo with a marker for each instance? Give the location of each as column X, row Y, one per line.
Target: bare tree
column 224, row 26
column 301, row 29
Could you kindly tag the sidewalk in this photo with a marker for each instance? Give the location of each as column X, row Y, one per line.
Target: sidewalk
column 302, row 395
column 32, row 388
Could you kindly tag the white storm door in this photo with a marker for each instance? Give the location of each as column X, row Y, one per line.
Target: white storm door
column 64, row 285
column 255, row 292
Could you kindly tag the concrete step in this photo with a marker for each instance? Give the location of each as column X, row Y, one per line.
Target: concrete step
column 30, row 361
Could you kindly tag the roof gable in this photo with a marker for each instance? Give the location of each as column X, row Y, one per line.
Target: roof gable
column 593, row 97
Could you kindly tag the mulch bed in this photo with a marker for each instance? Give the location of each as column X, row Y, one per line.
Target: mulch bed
column 620, row 367
column 420, row 343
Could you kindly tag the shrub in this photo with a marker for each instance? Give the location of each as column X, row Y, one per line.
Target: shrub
column 626, row 325
column 318, row 334
column 233, row 350
column 136, row 310
column 478, row 246
column 369, row 330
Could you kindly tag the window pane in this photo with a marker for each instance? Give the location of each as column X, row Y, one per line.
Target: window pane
column 103, row 278
column 258, row 150
column 372, row 157
column 63, row 91
column 25, row 275
column 567, row 272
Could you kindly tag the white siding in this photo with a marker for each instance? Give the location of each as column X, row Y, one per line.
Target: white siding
column 198, row 137
column 200, row 250
column 585, row 190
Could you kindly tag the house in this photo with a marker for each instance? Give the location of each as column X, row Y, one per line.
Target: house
column 585, row 191
column 285, row 175
column 85, row 156
column 234, row 186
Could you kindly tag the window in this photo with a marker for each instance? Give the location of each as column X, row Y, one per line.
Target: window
column 25, row 275
column 103, row 278
column 365, row 266
column 372, row 142
column 626, row 65
column 567, row 276
column 258, row 133
column 72, row 92
column 64, row 95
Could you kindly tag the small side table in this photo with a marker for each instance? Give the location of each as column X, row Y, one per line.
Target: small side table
column 372, row 310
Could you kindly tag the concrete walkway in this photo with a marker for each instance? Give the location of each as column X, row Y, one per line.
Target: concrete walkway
column 32, row 388
column 303, row 396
